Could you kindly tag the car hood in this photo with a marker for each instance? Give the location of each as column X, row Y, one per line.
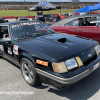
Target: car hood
column 62, row 45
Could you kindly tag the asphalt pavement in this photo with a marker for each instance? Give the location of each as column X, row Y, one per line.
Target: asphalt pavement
column 13, row 87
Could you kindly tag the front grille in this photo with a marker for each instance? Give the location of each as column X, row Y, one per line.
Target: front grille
column 89, row 60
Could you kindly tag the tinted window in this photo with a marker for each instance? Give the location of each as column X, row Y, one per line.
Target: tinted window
column 89, row 21
column 4, row 32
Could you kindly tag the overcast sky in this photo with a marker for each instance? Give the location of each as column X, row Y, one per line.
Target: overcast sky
column 52, row 0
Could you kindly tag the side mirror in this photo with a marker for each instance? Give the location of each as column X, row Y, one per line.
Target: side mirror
column 97, row 25
column 8, row 39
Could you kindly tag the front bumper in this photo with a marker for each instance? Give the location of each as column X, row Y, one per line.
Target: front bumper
column 57, row 81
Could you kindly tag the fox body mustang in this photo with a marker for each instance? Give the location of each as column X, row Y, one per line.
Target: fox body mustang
column 45, row 56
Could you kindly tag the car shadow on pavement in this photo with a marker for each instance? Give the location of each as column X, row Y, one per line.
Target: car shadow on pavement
column 82, row 90
column 12, row 63
column 40, row 86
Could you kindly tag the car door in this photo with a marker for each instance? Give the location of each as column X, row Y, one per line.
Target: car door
column 69, row 27
column 91, row 31
column 60, row 28
column 1, row 48
column 8, row 46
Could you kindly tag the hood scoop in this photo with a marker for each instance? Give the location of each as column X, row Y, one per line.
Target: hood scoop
column 62, row 40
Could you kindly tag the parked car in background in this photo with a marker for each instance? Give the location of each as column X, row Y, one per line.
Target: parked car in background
column 39, row 18
column 45, row 56
column 22, row 18
column 63, row 16
column 86, row 26
column 3, row 20
column 48, row 18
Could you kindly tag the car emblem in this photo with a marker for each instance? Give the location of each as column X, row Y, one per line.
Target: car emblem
column 83, row 53
column 89, row 55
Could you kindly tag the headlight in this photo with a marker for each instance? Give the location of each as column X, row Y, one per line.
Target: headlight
column 71, row 63
column 59, row 67
column 65, row 66
column 97, row 49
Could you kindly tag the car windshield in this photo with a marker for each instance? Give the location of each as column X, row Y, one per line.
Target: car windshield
column 31, row 28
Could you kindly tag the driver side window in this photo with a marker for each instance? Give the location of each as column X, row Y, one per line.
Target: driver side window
column 4, row 32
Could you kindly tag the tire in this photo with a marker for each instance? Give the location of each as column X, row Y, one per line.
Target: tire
column 28, row 72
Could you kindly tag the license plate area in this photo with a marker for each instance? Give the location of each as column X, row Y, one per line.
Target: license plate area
column 96, row 66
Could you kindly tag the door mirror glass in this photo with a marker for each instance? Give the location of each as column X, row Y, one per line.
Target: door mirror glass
column 98, row 21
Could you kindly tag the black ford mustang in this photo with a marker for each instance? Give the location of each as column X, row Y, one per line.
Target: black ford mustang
column 46, row 56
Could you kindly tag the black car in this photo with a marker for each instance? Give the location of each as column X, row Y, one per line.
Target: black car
column 39, row 18
column 48, row 18
column 22, row 18
column 46, row 56
column 3, row 20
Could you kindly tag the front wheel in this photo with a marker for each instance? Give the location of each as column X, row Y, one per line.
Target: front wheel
column 29, row 73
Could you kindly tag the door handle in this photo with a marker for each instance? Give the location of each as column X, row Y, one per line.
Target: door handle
column 79, row 30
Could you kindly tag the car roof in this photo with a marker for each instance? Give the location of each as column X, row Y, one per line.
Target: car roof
column 1, row 17
column 9, row 23
column 66, row 20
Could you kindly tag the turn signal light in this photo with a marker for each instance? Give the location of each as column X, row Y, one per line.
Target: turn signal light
column 42, row 62
column 79, row 61
column 59, row 67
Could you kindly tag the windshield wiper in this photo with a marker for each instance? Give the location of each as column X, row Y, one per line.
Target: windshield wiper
column 26, row 36
column 40, row 33
column 51, row 31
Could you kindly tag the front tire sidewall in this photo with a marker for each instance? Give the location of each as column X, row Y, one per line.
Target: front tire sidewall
column 34, row 82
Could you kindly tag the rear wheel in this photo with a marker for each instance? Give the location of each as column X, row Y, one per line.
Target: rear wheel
column 29, row 73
